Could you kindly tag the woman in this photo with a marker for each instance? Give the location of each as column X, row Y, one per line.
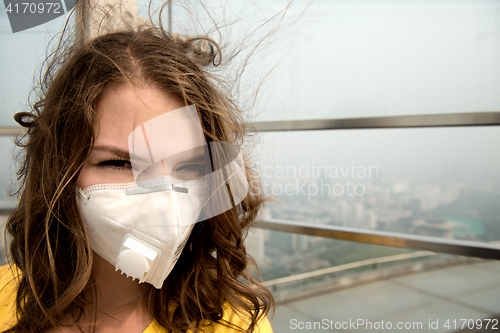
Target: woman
column 62, row 276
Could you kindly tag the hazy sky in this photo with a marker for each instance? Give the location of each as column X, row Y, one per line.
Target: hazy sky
column 431, row 154
column 365, row 58
column 341, row 59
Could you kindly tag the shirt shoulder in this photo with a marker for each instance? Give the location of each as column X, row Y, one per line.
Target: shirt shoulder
column 8, row 289
column 231, row 321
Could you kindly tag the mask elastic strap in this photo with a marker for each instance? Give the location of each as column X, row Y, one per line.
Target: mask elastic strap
column 82, row 195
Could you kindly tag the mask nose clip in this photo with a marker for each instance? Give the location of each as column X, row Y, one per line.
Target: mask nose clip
column 150, row 188
column 180, row 189
column 164, row 186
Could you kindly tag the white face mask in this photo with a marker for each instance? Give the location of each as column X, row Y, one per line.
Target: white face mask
column 141, row 234
column 142, row 227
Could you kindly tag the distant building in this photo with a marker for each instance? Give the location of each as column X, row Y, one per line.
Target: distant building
column 3, row 259
column 300, row 242
column 255, row 243
column 281, row 240
column 388, row 217
column 371, row 219
column 344, row 213
column 358, row 215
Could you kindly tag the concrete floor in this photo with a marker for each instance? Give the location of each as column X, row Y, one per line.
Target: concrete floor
column 440, row 300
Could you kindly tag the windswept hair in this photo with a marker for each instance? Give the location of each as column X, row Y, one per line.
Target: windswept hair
column 49, row 241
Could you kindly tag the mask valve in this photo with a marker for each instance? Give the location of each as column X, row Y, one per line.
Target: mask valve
column 137, row 258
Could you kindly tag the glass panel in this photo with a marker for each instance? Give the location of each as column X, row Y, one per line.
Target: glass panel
column 359, row 58
column 21, row 54
column 367, row 58
column 373, row 58
column 440, row 182
column 8, row 170
column 8, row 184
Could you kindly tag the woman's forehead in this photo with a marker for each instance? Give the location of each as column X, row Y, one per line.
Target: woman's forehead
column 122, row 108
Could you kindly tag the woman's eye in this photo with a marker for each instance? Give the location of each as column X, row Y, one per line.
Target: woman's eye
column 118, row 164
column 188, row 171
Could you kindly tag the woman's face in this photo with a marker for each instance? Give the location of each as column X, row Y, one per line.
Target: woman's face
column 120, row 109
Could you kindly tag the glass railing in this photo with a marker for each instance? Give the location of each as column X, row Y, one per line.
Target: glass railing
column 431, row 196
column 427, row 175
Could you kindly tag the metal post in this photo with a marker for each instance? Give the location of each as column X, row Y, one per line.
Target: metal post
column 170, row 16
column 103, row 16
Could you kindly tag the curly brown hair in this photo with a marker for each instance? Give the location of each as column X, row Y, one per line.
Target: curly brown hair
column 49, row 242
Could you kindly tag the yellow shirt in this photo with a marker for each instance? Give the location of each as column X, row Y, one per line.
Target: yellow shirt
column 7, row 310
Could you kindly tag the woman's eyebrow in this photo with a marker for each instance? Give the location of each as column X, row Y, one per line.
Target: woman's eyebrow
column 113, row 150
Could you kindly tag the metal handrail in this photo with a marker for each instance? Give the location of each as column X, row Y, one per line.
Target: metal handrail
column 376, row 237
column 407, row 241
column 409, row 121
column 12, row 130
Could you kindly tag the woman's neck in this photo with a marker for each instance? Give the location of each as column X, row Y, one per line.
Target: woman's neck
column 115, row 290
column 121, row 304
